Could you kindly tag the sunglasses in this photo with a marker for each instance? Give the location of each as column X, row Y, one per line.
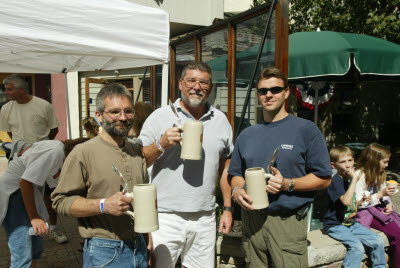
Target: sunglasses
column 274, row 90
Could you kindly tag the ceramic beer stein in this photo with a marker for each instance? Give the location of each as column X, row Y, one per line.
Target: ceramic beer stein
column 192, row 138
column 256, row 186
column 144, row 204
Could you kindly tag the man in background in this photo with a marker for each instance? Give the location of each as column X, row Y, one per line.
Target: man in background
column 30, row 119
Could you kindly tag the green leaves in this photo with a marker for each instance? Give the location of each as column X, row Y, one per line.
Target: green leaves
column 379, row 18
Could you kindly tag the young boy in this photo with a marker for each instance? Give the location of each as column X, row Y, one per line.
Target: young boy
column 339, row 220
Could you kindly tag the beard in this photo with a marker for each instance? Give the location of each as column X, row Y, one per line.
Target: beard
column 110, row 127
column 194, row 102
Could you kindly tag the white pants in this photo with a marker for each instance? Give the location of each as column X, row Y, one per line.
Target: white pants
column 189, row 234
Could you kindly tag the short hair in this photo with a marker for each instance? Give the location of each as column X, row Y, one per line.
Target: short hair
column 70, row 144
column 336, row 152
column 110, row 91
column 272, row 72
column 17, row 80
column 196, row 65
column 90, row 124
column 142, row 111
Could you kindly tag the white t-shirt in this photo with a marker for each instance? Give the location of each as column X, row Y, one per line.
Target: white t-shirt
column 29, row 122
column 37, row 164
column 362, row 189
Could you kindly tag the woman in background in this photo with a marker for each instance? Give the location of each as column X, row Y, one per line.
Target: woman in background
column 91, row 127
column 142, row 111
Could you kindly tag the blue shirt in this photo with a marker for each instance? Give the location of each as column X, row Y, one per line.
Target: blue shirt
column 302, row 151
column 338, row 213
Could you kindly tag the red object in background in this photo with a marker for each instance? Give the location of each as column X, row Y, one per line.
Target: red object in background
column 305, row 93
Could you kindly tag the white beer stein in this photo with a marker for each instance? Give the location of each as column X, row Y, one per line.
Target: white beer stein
column 256, row 186
column 192, row 139
column 144, row 205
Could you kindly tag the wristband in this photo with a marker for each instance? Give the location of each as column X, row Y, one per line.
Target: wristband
column 102, row 206
column 228, row 209
column 234, row 189
column 159, row 146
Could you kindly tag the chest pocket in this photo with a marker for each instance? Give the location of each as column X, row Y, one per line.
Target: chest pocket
column 37, row 119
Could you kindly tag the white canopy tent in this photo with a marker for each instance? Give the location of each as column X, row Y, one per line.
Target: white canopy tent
column 47, row 36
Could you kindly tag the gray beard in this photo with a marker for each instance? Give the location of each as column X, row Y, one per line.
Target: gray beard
column 193, row 103
column 111, row 129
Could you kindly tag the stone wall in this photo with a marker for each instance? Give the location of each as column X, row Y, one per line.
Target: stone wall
column 323, row 251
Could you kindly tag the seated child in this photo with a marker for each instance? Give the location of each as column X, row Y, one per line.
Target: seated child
column 340, row 219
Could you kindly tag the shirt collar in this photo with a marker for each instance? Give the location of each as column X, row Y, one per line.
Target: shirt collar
column 178, row 107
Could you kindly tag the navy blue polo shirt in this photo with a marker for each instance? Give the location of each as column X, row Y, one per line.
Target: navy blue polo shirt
column 302, row 150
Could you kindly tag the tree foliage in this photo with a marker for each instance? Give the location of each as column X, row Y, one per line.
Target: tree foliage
column 380, row 18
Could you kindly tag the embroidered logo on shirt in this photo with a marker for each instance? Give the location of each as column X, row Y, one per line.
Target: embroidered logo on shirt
column 287, row 146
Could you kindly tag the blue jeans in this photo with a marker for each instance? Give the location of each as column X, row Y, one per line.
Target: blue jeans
column 98, row 252
column 23, row 247
column 354, row 237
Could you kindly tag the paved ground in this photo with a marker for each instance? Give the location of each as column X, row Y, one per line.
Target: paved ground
column 55, row 255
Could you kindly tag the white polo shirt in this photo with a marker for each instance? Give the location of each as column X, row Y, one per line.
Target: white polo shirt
column 187, row 185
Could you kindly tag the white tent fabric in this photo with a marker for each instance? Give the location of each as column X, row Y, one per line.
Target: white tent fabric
column 47, row 36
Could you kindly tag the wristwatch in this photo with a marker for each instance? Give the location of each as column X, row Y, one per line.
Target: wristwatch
column 228, row 209
column 291, row 186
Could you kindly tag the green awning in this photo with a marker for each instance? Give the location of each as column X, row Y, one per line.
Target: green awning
column 325, row 53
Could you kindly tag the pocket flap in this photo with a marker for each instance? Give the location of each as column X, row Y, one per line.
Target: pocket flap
column 295, row 248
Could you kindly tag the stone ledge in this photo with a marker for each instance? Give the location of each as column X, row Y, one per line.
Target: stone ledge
column 322, row 250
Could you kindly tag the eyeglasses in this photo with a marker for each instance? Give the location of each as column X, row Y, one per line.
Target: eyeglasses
column 116, row 114
column 274, row 90
column 190, row 83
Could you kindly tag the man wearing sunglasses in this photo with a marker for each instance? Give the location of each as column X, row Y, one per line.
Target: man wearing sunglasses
column 186, row 188
column 90, row 190
column 301, row 166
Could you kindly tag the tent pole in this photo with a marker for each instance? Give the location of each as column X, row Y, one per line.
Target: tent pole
column 164, row 85
column 141, row 85
column 247, row 99
column 67, row 98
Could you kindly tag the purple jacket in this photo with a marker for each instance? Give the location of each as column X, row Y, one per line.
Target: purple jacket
column 365, row 216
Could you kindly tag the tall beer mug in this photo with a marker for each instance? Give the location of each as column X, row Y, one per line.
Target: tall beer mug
column 192, row 139
column 144, row 205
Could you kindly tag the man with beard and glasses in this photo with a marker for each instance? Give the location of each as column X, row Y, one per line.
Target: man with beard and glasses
column 186, row 188
column 90, row 190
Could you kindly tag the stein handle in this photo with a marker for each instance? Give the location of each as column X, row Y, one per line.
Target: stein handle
column 267, row 175
column 130, row 213
column 129, row 194
column 181, row 128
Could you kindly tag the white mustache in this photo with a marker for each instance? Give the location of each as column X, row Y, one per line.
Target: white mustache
column 194, row 92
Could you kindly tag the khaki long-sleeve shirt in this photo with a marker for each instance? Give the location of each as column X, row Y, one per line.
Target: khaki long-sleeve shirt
column 88, row 173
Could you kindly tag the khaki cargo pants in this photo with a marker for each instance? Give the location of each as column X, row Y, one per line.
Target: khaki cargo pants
column 283, row 239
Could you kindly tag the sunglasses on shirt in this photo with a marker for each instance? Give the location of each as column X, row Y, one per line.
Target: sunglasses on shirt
column 274, row 90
